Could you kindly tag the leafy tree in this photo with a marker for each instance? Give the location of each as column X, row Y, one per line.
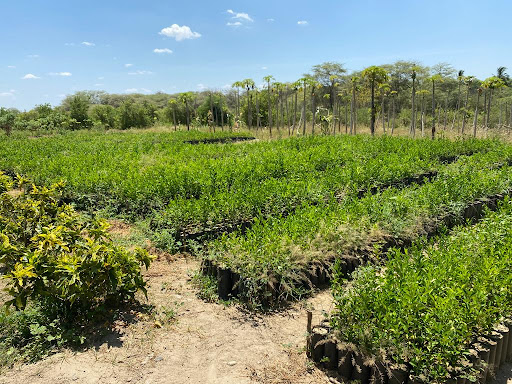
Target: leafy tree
column 106, row 115
column 78, row 110
column 7, row 120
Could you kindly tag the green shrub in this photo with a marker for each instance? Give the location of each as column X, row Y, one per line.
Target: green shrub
column 51, row 256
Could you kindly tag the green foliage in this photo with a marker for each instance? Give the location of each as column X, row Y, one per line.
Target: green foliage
column 429, row 303
column 53, row 257
column 135, row 115
column 78, row 111
column 105, row 115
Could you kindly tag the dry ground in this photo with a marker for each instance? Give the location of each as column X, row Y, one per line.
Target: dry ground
column 207, row 343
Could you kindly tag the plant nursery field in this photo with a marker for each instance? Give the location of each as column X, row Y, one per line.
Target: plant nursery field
column 411, row 235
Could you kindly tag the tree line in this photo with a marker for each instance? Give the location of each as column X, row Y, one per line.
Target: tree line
column 328, row 99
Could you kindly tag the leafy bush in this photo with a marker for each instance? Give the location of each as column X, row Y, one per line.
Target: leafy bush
column 79, row 107
column 428, row 304
column 53, row 257
column 105, row 115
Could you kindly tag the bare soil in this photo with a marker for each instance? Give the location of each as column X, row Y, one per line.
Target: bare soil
column 205, row 343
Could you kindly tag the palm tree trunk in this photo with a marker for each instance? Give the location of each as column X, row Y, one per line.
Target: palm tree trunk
column 433, row 110
column 174, row 117
column 295, row 112
column 457, row 108
column 475, row 119
column 304, row 112
column 465, row 111
column 413, row 109
column 446, row 113
column 383, row 114
column 313, row 107
column 346, row 118
column 188, row 115
column 393, row 115
column 489, row 109
column 258, row 117
column 221, row 113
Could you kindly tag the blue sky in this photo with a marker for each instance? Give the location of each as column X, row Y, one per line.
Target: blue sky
column 53, row 48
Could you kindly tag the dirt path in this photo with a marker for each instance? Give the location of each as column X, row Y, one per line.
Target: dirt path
column 209, row 343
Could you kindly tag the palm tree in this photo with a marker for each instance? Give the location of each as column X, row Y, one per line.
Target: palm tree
column 467, row 81
column 173, row 103
column 491, row 84
column 435, row 78
column 296, row 86
column 460, row 79
column 304, row 81
column 384, row 91
column 393, row 95
column 375, row 76
column 475, row 119
column 501, row 74
column 313, row 84
column 268, row 79
column 413, row 100
column 237, row 85
column 422, row 93
column 248, row 84
column 186, row 98
column 353, row 112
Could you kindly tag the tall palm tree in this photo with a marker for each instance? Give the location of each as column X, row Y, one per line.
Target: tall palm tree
column 468, row 80
column 413, row 101
column 375, row 76
column 475, row 119
column 353, row 111
column 248, row 84
column 186, row 98
column 237, row 85
column 268, row 79
column 491, row 84
column 460, row 79
column 384, row 92
column 437, row 78
column 304, row 82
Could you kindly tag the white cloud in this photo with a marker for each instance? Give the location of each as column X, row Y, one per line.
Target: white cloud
column 9, row 93
column 88, row 44
column 63, row 74
column 101, row 78
column 11, row 66
column 235, row 24
column 128, row 65
column 33, row 56
column 162, row 50
column 98, row 85
column 179, row 33
column 29, row 76
column 302, row 22
column 239, row 15
column 69, row 44
column 137, row 90
column 201, row 87
column 140, row 73
column 264, row 68
column 270, row 20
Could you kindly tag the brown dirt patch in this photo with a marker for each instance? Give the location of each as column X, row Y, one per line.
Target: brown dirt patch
column 208, row 342
column 119, row 228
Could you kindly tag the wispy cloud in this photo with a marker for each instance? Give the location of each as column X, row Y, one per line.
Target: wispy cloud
column 63, row 74
column 179, row 33
column 140, row 72
column 239, row 15
column 270, row 20
column 33, row 56
column 30, row 76
column 235, row 24
column 264, row 68
column 162, row 50
column 69, row 44
column 302, row 22
column 11, row 66
column 9, row 93
column 88, row 44
column 128, row 65
column 201, row 87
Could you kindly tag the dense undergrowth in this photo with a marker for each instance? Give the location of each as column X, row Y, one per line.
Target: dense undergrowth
column 427, row 304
